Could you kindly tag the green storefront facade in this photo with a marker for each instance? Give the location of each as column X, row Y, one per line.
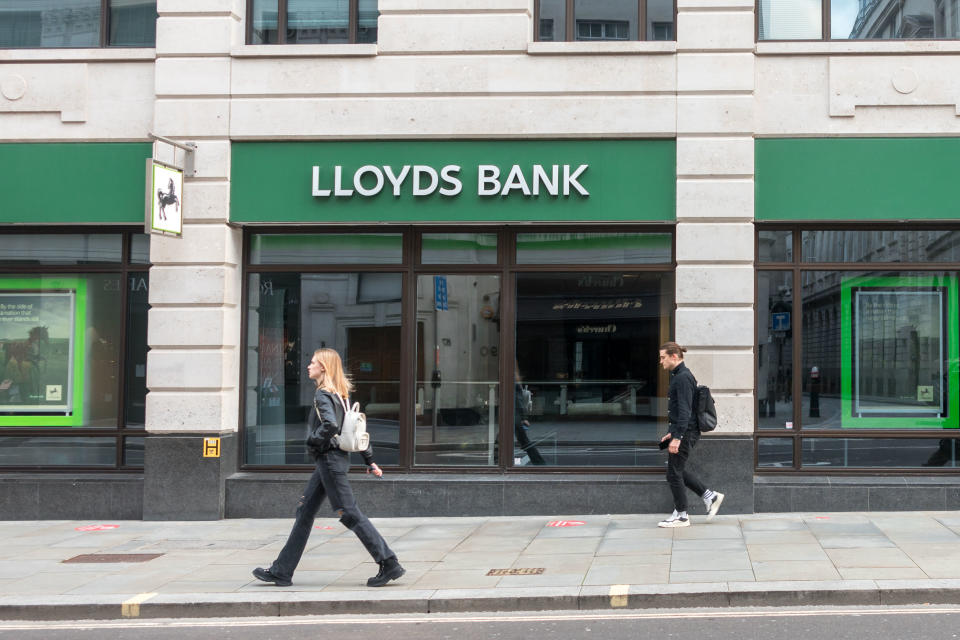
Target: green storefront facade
column 858, row 251
column 474, row 285
column 74, row 288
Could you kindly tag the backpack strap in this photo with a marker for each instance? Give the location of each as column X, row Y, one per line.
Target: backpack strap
column 316, row 408
column 343, row 403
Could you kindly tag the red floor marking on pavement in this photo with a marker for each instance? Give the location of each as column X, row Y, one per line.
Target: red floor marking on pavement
column 319, row 527
column 565, row 523
column 97, row 527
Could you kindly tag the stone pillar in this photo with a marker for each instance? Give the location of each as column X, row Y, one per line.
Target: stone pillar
column 715, row 169
column 194, row 323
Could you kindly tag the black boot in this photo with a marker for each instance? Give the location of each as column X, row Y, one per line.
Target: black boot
column 268, row 576
column 390, row 569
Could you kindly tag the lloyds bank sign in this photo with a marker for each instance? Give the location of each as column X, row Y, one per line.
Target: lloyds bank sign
column 453, row 181
column 423, row 180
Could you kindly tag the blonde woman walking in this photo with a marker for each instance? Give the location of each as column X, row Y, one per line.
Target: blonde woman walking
column 329, row 480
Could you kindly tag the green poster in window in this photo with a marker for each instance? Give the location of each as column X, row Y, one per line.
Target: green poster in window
column 899, row 349
column 41, row 351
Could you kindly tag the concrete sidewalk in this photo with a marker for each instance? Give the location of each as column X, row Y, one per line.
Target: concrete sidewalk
column 197, row 569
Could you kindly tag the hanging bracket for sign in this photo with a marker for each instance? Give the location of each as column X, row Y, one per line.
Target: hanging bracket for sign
column 164, row 184
column 187, row 160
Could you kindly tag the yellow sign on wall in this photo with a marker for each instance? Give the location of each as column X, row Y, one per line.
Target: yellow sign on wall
column 211, row 447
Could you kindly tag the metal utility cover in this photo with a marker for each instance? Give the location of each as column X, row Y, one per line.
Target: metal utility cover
column 516, row 572
column 105, row 558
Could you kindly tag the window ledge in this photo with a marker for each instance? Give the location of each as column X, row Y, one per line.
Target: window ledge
column 608, row 48
column 858, row 47
column 113, row 54
column 305, row 51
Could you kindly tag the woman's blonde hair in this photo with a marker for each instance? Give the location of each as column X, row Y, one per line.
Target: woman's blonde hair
column 334, row 378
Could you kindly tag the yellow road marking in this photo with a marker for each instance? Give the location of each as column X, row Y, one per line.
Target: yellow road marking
column 618, row 595
column 131, row 608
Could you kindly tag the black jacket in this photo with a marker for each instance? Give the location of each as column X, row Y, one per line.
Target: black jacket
column 323, row 427
column 683, row 388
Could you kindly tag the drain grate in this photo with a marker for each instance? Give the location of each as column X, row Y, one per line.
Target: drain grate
column 103, row 558
column 536, row 571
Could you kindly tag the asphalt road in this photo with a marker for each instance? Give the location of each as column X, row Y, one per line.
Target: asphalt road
column 889, row 623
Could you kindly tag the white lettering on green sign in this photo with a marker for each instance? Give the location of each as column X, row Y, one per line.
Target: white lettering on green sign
column 423, row 180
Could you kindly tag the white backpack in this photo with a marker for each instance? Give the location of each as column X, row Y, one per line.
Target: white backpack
column 353, row 430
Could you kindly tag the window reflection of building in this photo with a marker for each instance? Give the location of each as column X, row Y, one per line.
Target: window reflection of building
column 908, row 19
column 358, row 314
column 458, row 393
column 612, row 20
column 897, row 344
column 71, row 23
column 584, row 349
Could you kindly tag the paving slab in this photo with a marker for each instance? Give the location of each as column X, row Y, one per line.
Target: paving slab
column 568, row 562
column 780, row 537
column 881, row 573
column 546, row 579
column 615, row 531
column 627, row 574
column 774, row 552
column 793, row 570
column 774, row 525
column 662, row 559
column 559, row 545
column 711, row 560
column 855, row 542
column 455, row 579
column 709, row 531
column 726, row 544
column 682, row 577
column 870, row 558
column 471, row 560
column 628, row 546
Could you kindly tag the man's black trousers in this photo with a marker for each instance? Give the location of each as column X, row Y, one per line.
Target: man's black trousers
column 678, row 477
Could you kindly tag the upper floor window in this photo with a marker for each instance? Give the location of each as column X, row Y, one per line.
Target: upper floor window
column 858, row 19
column 47, row 24
column 594, row 20
column 311, row 21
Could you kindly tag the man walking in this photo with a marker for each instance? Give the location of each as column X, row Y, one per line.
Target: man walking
column 683, row 435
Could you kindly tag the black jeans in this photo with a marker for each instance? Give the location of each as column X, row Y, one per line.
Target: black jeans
column 524, row 441
column 329, row 479
column 678, row 477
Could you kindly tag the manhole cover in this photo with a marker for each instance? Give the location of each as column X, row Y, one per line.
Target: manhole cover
column 101, row 558
column 516, row 572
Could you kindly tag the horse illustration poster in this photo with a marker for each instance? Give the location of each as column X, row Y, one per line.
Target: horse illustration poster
column 166, row 212
column 36, row 351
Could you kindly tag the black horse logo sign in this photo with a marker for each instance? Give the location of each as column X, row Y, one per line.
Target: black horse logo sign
column 167, row 197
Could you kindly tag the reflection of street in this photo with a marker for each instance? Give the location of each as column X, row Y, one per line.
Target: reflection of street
column 603, row 442
column 829, row 414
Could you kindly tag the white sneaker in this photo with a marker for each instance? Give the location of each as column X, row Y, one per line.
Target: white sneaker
column 713, row 504
column 674, row 520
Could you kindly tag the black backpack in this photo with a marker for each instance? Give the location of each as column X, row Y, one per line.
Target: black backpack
column 704, row 409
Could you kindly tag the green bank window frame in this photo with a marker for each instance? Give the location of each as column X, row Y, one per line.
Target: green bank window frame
column 918, row 275
column 78, row 288
column 134, row 262
column 851, row 418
